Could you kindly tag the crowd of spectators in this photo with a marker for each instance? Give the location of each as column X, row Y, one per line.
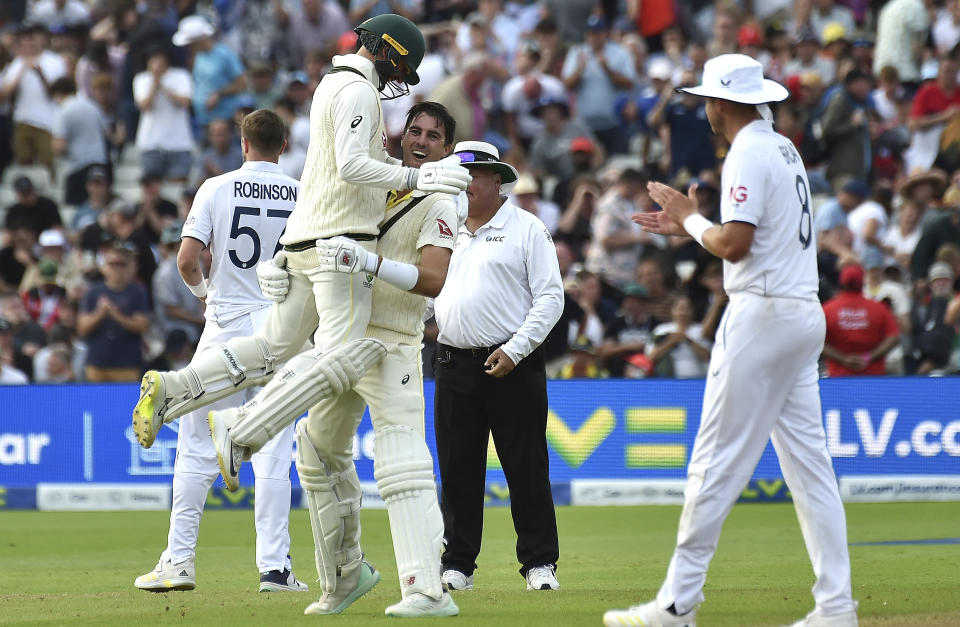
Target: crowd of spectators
column 112, row 112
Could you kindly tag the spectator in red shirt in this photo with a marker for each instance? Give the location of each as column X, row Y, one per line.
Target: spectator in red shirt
column 860, row 332
column 935, row 104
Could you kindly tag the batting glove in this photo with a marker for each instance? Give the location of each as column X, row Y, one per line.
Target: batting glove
column 446, row 175
column 272, row 277
column 341, row 254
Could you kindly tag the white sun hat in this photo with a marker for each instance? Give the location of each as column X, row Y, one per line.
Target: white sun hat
column 738, row 78
column 192, row 28
column 482, row 154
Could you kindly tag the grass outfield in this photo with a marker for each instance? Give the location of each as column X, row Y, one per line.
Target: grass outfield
column 78, row 568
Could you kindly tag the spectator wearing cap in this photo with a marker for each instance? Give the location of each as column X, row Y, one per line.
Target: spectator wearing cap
column 680, row 348
column 936, row 104
column 903, row 27
column 43, row 300
column 25, row 83
column 526, row 195
column 846, row 128
column 99, row 196
column 119, row 224
column 630, row 332
column 685, row 132
column 502, row 296
column 28, row 336
column 946, row 27
column 33, row 211
column 574, row 226
column 550, row 153
column 583, row 362
column 462, row 94
column 153, row 211
column 860, row 331
column 224, row 154
column 218, row 74
column 59, row 13
column 826, row 13
column 809, row 59
column 113, row 318
column 8, row 374
column 175, row 306
column 317, row 28
column 80, row 135
column 521, row 94
column 750, row 42
column 931, row 336
column 297, row 91
column 832, row 226
column 597, row 71
column 53, row 248
column 618, row 242
column 164, row 134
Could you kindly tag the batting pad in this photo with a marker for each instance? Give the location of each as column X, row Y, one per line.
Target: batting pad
column 217, row 373
column 334, row 504
column 304, row 381
column 403, row 469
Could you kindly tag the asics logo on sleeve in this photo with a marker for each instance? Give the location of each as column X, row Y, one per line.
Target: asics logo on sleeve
column 356, row 121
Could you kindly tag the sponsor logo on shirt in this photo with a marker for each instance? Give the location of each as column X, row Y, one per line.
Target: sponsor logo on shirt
column 444, row 229
column 738, row 194
column 356, row 121
column 547, row 233
column 495, row 238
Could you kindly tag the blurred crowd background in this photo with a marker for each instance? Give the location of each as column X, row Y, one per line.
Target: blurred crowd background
column 112, row 112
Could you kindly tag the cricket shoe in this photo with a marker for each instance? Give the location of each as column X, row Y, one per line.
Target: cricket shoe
column 419, row 604
column 648, row 615
column 351, row 585
column 230, row 456
column 149, row 410
column 542, row 578
column 456, row 580
column 816, row 619
column 166, row 577
column 281, row 581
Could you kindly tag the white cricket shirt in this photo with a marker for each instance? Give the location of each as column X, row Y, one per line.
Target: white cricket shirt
column 347, row 171
column 765, row 184
column 396, row 316
column 503, row 285
column 240, row 216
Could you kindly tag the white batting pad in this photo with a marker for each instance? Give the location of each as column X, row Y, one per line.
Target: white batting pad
column 403, row 469
column 303, row 381
column 334, row 505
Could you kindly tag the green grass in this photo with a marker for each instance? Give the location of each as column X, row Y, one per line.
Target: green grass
column 78, row 568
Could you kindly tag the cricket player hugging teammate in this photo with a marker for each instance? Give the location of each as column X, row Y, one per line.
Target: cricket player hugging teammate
column 346, row 175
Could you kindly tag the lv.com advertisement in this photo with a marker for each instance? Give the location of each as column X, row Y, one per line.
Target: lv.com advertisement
column 610, row 441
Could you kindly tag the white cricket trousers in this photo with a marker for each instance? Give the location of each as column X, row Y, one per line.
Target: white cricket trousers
column 196, row 469
column 762, row 384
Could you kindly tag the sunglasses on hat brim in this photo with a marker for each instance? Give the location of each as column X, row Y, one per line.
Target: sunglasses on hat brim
column 476, row 157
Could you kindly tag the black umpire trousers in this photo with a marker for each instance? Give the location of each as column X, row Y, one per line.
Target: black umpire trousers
column 469, row 406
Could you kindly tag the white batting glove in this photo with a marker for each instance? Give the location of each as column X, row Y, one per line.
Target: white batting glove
column 446, row 175
column 272, row 277
column 342, row 254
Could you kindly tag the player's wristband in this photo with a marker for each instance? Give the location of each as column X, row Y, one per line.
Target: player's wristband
column 696, row 225
column 200, row 291
column 370, row 263
column 398, row 274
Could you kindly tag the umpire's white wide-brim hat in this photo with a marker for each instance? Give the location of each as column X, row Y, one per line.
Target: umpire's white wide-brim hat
column 738, row 78
column 191, row 29
column 473, row 153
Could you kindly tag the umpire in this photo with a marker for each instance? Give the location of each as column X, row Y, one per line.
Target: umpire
column 502, row 296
